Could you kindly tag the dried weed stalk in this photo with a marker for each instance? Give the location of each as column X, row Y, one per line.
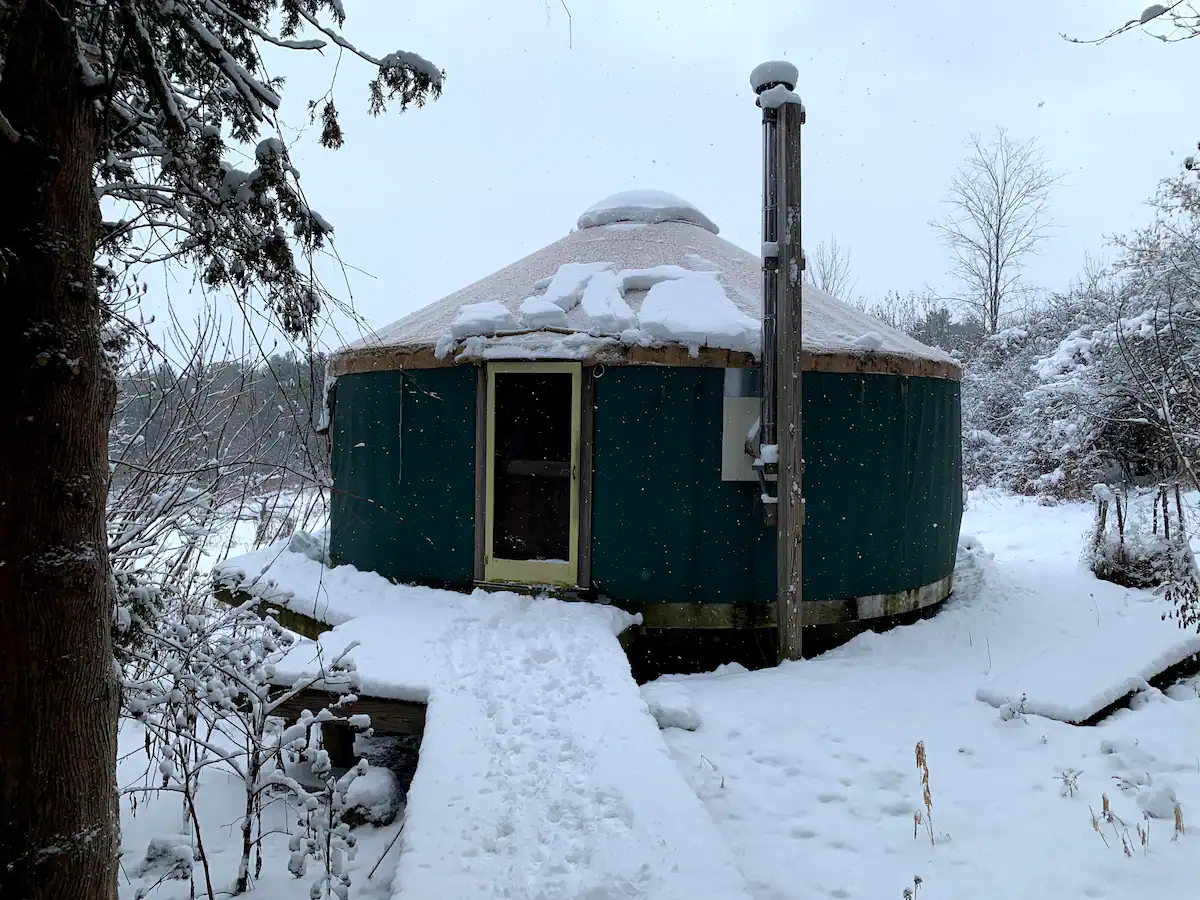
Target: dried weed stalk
column 925, row 818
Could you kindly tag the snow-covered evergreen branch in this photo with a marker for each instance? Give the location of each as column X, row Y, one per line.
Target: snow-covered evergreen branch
column 179, row 87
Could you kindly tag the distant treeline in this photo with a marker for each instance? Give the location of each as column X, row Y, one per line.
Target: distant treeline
column 258, row 415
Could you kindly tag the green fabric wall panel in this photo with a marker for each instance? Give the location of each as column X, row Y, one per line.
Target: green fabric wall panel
column 882, row 484
column 404, row 474
column 664, row 525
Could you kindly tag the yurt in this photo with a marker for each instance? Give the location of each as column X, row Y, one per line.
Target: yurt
column 583, row 421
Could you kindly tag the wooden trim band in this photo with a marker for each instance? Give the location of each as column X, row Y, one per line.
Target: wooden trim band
column 387, row 359
column 816, row 613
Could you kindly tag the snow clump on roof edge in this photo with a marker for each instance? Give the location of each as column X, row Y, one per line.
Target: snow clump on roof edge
column 646, row 208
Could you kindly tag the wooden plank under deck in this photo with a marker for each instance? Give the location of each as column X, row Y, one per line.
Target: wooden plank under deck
column 388, row 717
column 305, row 626
column 396, row 717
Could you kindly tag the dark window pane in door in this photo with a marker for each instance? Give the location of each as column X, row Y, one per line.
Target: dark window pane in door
column 531, row 502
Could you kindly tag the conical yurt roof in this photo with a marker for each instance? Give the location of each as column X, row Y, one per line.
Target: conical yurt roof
column 644, row 277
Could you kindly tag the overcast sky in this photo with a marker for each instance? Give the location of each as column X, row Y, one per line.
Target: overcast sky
column 542, row 116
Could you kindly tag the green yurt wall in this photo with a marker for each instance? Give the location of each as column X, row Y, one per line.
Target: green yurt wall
column 403, row 459
column 882, row 484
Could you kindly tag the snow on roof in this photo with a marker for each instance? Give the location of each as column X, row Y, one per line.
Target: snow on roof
column 644, row 208
column 603, row 279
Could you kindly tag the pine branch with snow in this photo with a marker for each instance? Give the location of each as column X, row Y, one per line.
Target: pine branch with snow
column 179, row 88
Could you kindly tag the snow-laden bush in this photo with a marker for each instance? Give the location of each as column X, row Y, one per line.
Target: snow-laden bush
column 1140, row 540
column 1035, row 410
column 203, row 686
column 374, row 798
column 322, row 832
column 971, row 566
column 1125, row 545
column 1101, row 384
column 169, row 857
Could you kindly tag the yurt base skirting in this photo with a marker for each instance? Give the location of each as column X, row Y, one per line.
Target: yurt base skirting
column 654, row 652
column 684, row 638
column 705, row 616
column 817, row 613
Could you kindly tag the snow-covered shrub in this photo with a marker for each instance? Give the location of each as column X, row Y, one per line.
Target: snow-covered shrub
column 137, row 605
column 1034, row 409
column 202, row 686
column 169, row 857
column 374, row 798
column 1133, row 380
column 994, row 382
column 1120, row 547
column 1139, row 539
column 322, row 832
column 970, row 568
column 1102, row 383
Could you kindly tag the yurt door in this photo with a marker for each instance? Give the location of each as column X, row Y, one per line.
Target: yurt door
column 531, row 504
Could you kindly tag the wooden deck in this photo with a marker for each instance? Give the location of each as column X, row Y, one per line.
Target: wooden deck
column 305, row 626
column 388, row 717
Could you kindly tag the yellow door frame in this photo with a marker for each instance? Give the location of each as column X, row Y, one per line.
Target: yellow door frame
column 528, row 571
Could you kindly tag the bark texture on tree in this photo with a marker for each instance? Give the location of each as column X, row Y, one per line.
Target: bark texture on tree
column 58, row 686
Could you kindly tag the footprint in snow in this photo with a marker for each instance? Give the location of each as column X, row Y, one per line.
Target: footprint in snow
column 889, row 779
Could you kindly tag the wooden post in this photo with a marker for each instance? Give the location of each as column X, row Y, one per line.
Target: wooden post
column 788, row 390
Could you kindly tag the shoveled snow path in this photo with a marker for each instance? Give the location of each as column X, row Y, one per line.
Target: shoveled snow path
column 542, row 774
column 562, row 785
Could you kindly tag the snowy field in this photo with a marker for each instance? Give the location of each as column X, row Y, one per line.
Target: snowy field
column 808, row 772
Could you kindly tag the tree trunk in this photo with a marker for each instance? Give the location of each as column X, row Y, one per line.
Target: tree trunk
column 58, row 686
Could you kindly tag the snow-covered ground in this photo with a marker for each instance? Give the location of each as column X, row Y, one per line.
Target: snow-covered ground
column 808, row 771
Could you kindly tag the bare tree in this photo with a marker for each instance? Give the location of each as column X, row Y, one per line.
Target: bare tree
column 196, row 442
column 828, row 268
column 998, row 216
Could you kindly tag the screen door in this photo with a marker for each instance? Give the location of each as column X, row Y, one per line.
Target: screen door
column 532, row 500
